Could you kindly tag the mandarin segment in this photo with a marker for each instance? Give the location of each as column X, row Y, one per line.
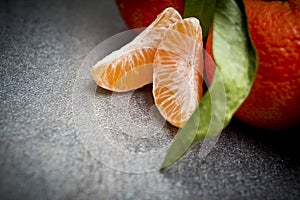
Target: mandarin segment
column 177, row 72
column 169, row 52
column 131, row 67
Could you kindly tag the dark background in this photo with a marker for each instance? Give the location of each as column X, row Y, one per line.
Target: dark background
column 42, row 44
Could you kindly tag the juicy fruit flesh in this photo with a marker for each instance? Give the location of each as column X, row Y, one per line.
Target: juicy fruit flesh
column 169, row 52
column 131, row 66
column 126, row 79
column 178, row 66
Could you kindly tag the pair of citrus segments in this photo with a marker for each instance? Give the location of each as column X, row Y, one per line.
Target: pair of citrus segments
column 168, row 53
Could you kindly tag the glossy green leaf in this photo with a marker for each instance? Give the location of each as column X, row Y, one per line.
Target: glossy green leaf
column 203, row 10
column 234, row 53
column 236, row 60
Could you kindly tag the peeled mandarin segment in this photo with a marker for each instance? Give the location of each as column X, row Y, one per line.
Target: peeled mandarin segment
column 178, row 71
column 131, row 67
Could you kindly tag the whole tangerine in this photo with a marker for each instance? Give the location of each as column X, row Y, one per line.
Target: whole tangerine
column 274, row 100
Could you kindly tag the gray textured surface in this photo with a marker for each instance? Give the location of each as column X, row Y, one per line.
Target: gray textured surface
column 42, row 45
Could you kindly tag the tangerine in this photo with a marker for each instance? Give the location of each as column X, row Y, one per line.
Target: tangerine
column 274, row 101
column 141, row 13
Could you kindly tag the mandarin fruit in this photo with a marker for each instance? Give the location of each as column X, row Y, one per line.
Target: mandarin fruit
column 274, row 100
column 141, row 13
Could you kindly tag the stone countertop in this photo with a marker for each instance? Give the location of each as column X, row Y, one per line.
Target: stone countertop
column 42, row 153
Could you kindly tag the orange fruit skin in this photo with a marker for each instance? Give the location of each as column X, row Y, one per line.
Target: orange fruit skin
column 209, row 67
column 140, row 13
column 274, row 101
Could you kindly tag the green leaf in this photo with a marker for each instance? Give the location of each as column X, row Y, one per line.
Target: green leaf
column 234, row 53
column 203, row 10
column 236, row 61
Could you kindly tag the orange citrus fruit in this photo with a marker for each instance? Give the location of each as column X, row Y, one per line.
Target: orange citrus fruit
column 274, row 101
column 131, row 67
column 178, row 70
column 141, row 13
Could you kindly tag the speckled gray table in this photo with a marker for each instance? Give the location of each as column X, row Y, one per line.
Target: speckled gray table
column 42, row 156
